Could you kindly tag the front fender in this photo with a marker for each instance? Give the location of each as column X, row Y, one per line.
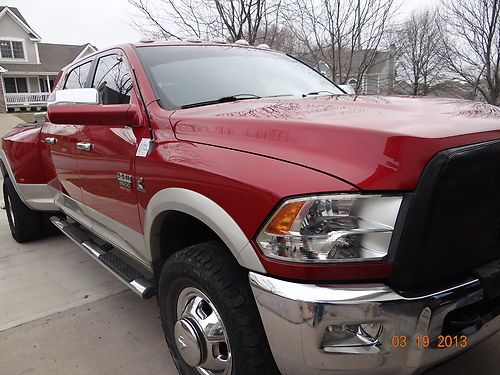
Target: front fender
column 205, row 210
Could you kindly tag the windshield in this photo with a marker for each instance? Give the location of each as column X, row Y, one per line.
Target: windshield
column 185, row 75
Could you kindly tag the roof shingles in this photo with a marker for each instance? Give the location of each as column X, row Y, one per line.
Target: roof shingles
column 53, row 57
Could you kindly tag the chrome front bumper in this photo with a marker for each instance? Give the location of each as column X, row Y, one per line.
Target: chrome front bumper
column 304, row 325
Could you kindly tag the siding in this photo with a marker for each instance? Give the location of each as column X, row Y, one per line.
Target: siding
column 9, row 28
column 34, row 84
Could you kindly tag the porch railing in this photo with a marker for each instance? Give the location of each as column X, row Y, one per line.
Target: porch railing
column 26, row 99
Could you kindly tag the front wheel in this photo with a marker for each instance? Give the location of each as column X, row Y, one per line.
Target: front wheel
column 209, row 316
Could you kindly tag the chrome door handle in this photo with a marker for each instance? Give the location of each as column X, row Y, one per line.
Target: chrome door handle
column 84, row 146
column 50, row 140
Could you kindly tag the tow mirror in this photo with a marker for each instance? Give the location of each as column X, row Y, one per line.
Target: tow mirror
column 73, row 96
column 81, row 107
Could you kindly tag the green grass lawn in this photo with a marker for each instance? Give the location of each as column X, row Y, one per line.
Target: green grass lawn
column 25, row 116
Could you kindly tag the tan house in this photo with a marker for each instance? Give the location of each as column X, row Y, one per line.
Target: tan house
column 368, row 71
column 29, row 67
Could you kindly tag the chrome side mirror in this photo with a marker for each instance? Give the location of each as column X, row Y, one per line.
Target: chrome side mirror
column 73, row 96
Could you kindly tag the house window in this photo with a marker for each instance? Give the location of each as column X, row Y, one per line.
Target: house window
column 44, row 87
column 10, row 49
column 17, row 50
column 15, row 85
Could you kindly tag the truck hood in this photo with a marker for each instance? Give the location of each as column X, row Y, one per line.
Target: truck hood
column 372, row 142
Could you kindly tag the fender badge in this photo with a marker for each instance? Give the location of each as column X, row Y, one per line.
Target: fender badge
column 140, row 185
column 124, row 180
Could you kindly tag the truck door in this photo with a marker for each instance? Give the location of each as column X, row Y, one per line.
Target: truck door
column 60, row 149
column 107, row 166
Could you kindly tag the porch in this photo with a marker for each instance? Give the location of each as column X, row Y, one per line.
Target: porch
column 33, row 99
column 27, row 92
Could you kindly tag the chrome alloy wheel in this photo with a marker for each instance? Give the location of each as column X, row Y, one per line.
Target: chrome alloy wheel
column 200, row 335
column 10, row 212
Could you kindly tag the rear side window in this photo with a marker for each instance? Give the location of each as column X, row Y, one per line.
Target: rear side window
column 77, row 77
column 112, row 80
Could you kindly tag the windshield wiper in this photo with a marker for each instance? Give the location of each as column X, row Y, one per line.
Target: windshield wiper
column 224, row 99
column 318, row 92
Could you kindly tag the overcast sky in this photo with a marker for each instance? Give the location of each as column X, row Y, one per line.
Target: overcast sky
column 101, row 22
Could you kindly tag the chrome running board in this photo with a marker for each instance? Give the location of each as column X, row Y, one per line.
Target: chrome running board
column 127, row 274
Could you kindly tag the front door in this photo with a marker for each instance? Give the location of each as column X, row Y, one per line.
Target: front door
column 107, row 167
column 60, row 150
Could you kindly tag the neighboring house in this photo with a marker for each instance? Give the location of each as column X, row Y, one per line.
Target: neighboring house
column 379, row 71
column 374, row 69
column 28, row 67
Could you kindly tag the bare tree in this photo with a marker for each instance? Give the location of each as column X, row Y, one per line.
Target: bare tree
column 206, row 19
column 345, row 34
column 281, row 38
column 473, row 44
column 420, row 48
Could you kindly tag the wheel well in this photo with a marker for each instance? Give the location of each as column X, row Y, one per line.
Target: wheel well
column 177, row 231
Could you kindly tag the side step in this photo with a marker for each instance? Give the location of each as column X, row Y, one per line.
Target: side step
column 118, row 267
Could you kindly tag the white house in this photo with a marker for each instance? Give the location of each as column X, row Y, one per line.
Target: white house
column 28, row 67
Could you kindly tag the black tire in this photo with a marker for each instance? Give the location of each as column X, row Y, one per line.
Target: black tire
column 210, row 268
column 25, row 224
column 49, row 229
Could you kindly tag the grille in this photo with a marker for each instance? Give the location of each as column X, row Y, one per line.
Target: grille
column 453, row 221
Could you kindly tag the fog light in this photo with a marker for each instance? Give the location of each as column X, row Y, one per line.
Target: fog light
column 351, row 335
column 372, row 330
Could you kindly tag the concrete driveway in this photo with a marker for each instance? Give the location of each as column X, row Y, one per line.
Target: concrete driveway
column 62, row 313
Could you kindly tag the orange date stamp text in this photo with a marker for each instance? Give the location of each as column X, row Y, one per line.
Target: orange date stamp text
column 442, row 342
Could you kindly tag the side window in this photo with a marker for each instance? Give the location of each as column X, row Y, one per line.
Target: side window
column 77, row 77
column 112, row 80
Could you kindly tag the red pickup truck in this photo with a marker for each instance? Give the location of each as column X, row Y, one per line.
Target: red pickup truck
column 283, row 225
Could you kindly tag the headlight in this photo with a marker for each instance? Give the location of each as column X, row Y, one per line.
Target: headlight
column 331, row 229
